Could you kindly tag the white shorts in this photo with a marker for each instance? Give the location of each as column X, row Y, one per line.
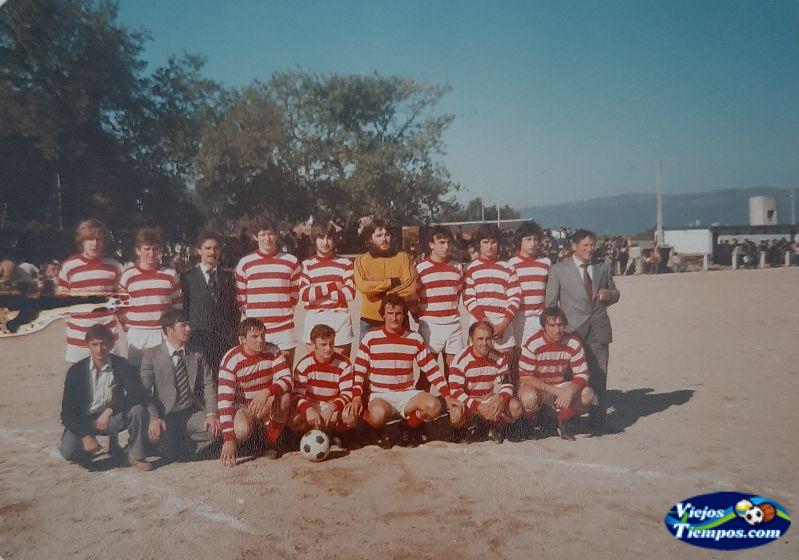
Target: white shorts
column 508, row 340
column 141, row 339
column 397, row 399
column 285, row 340
column 447, row 338
column 525, row 327
column 339, row 321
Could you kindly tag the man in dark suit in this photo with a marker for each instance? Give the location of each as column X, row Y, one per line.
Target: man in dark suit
column 182, row 393
column 209, row 298
column 103, row 395
column 584, row 290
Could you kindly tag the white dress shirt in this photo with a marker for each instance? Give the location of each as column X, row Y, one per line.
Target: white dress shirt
column 205, row 270
column 590, row 268
column 172, row 351
column 102, row 382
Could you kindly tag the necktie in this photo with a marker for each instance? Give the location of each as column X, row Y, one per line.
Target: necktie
column 589, row 286
column 181, row 382
column 212, row 285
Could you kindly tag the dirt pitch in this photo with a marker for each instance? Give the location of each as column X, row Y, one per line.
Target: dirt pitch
column 704, row 380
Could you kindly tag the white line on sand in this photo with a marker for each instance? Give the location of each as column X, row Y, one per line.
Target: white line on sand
column 171, row 499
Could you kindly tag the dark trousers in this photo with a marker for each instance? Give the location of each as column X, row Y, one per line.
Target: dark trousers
column 185, row 436
column 135, row 421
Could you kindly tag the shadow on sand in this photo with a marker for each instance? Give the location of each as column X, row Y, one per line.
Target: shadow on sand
column 630, row 406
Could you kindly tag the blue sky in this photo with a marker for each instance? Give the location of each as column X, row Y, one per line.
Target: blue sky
column 553, row 100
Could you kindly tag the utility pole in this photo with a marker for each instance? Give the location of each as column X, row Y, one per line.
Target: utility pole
column 793, row 207
column 482, row 209
column 659, row 232
column 497, row 214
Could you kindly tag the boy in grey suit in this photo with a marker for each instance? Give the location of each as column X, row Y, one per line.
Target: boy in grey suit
column 182, row 406
column 584, row 290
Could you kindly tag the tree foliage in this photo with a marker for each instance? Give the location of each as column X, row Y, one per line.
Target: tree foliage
column 339, row 146
column 77, row 105
column 171, row 147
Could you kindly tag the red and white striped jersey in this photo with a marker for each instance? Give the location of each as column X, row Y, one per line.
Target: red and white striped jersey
column 549, row 361
column 326, row 283
column 151, row 293
column 491, row 290
column 79, row 274
column 242, row 376
column 439, row 290
column 317, row 382
column 386, row 361
column 532, row 275
column 472, row 379
column 267, row 287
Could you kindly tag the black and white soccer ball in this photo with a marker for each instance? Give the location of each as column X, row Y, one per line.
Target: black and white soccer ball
column 315, row 445
column 754, row 515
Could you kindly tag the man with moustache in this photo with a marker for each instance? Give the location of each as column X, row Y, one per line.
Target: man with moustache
column 209, row 299
column 379, row 272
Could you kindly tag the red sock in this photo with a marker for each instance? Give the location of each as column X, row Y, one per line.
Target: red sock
column 273, row 431
column 413, row 420
column 569, row 412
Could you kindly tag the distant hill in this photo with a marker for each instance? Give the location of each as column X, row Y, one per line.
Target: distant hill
column 635, row 213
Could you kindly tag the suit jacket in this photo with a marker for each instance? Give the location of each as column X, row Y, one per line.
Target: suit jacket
column 587, row 318
column 158, row 378
column 214, row 323
column 126, row 392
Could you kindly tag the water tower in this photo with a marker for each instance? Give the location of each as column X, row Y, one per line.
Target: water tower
column 762, row 211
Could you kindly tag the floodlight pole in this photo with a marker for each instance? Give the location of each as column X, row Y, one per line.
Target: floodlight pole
column 659, row 231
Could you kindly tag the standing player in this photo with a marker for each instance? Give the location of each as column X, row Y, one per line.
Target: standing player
column 545, row 359
column 531, row 270
column 322, row 386
column 491, row 288
column 88, row 271
column 153, row 290
column 379, row 272
column 326, row 288
column 254, row 392
column 439, row 284
column 267, row 288
column 480, row 380
column 385, row 360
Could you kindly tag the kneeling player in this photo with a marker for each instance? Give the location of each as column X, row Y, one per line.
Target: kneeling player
column 479, row 379
column 322, row 386
column 254, row 392
column 385, row 359
column 545, row 358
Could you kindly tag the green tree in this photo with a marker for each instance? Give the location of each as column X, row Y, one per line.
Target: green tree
column 76, row 104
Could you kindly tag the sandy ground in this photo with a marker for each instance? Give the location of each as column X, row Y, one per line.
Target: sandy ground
column 704, row 380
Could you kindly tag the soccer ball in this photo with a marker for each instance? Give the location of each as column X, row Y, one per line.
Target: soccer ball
column 754, row 516
column 315, row 445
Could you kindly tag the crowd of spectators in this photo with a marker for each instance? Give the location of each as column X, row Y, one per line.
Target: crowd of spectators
column 623, row 255
column 749, row 254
